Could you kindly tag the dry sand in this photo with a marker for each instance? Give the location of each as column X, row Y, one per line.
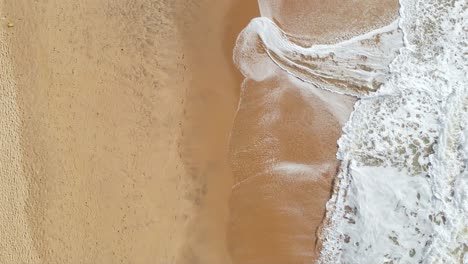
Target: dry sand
column 115, row 121
column 15, row 241
column 100, row 92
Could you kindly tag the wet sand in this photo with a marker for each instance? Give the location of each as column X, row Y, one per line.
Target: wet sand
column 212, row 100
column 329, row 21
column 284, row 170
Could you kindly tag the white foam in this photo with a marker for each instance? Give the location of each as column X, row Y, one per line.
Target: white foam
column 386, row 211
column 356, row 67
column 298, row 171
column 413, row 124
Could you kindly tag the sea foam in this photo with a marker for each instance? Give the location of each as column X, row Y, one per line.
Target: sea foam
column 401, row 194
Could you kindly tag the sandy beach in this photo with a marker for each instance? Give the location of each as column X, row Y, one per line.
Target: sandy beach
column 100, row 90
column 116, row 119
column 123, row 131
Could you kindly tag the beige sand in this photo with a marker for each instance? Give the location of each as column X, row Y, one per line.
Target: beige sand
column 14, row 229
column 125, row 110
column 101, row 90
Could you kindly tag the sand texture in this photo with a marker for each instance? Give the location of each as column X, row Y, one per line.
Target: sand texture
column 101, row 101
column 121, row 129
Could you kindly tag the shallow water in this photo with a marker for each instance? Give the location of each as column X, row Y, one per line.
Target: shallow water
column 282, row 174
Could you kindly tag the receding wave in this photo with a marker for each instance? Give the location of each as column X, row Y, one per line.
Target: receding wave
column 357, row 67
column 401, row 194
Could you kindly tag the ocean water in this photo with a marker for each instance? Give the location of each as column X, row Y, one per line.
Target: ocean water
column 402, row 190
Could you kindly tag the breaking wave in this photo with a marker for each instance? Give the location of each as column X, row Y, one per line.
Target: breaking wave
column 402, row 192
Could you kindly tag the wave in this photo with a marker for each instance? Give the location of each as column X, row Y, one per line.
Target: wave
column 357, row 67
column 401, row 194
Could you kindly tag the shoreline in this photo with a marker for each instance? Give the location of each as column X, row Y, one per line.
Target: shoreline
column 276, row 218
column 126, row 111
